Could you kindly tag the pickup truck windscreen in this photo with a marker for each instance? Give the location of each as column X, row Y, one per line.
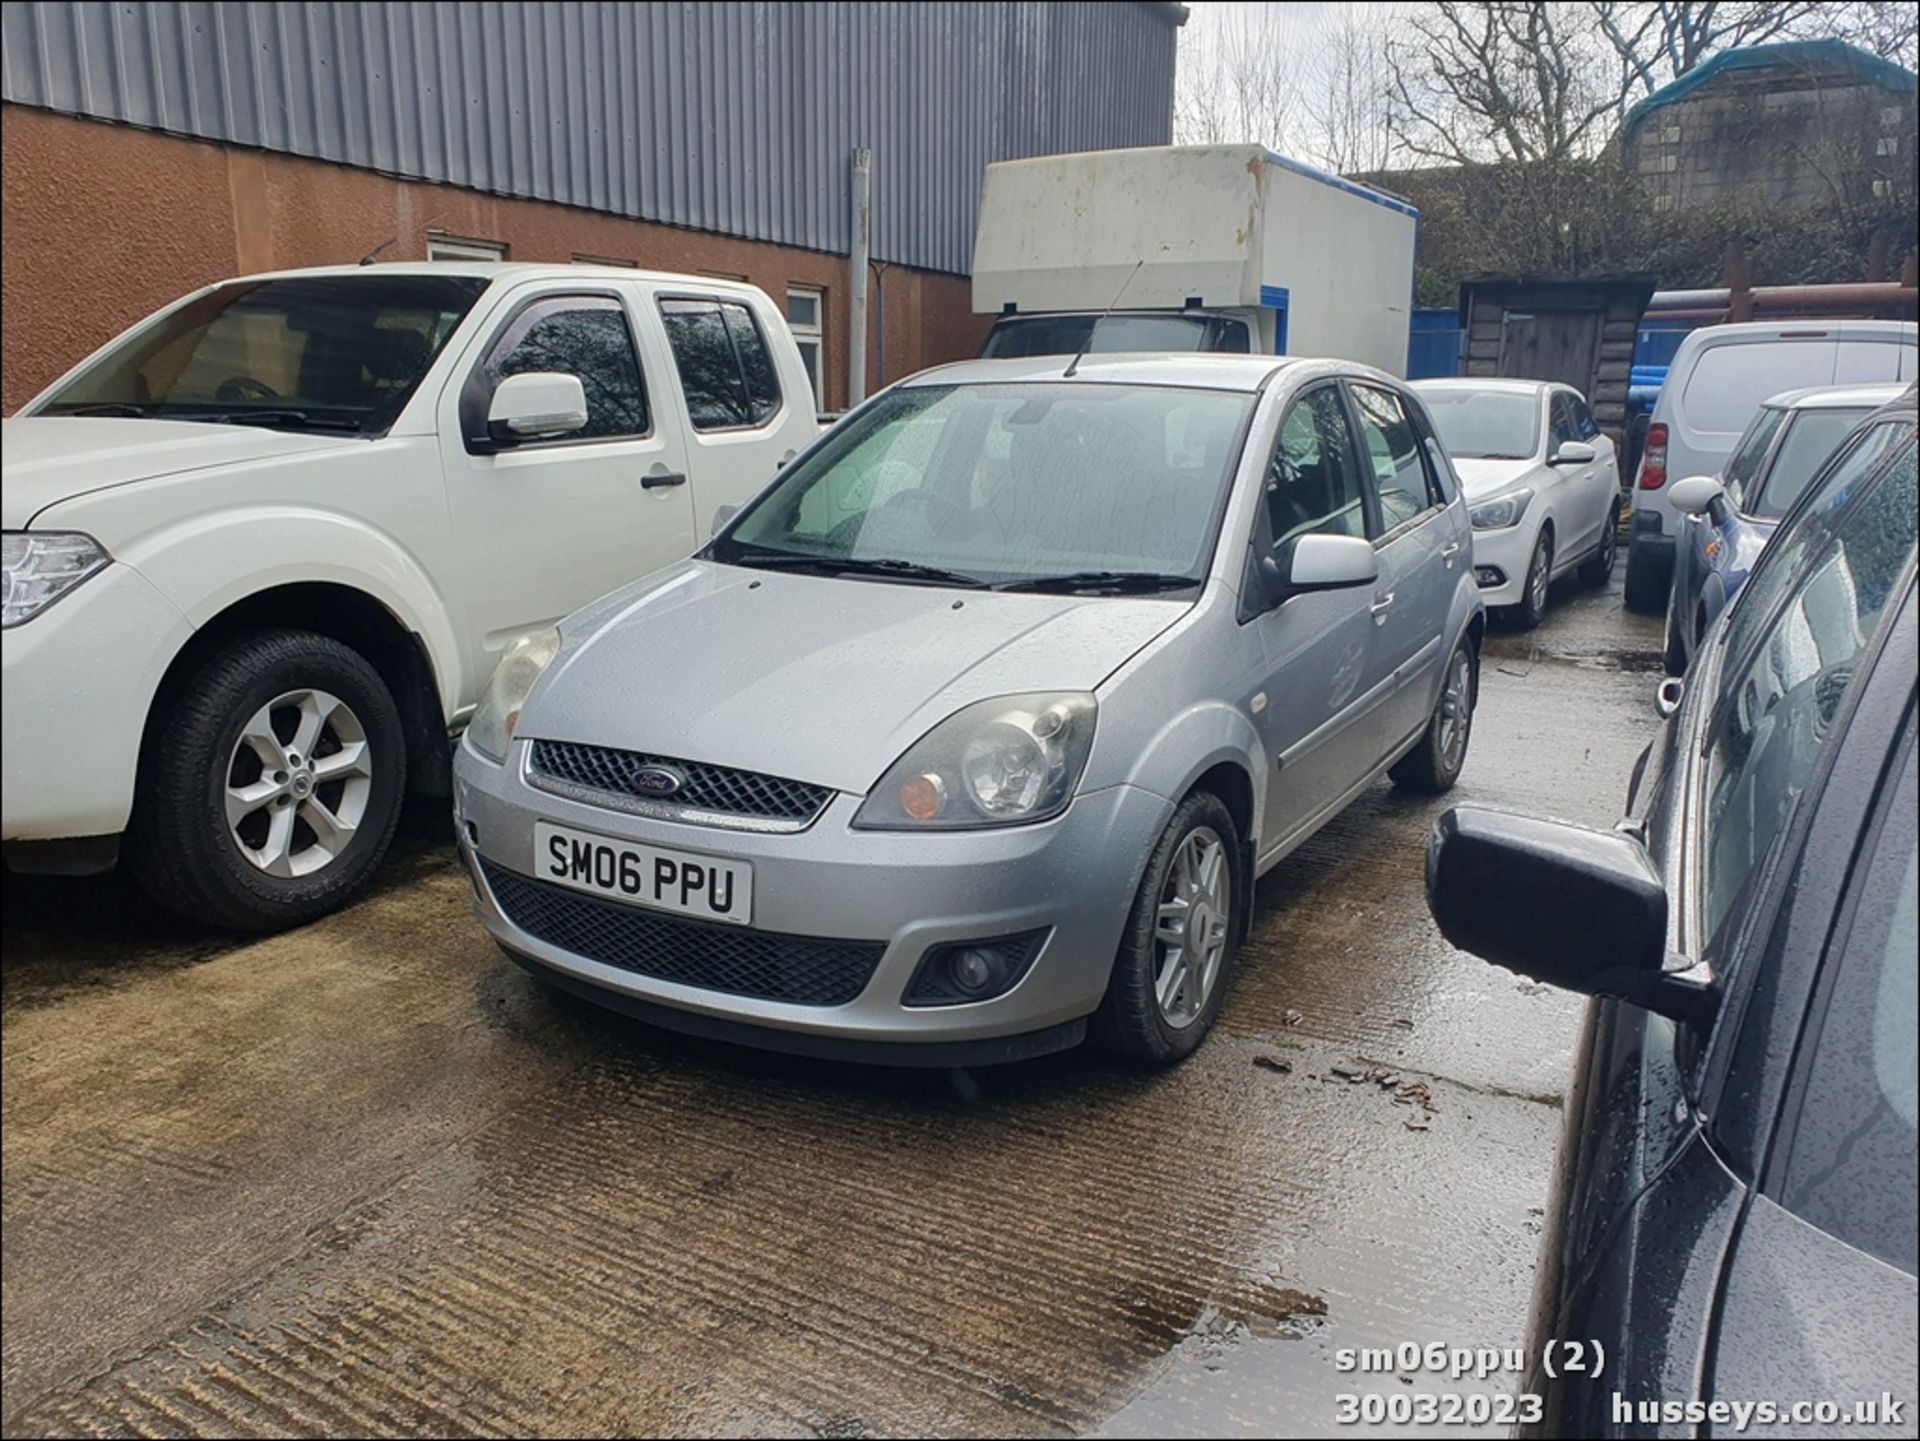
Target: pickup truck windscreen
column 1017, row 336
column 333, row 353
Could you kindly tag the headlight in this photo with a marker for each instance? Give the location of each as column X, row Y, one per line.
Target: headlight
column 1500, row 512
column 493, row 723
column 998, row 762
column 42, row 566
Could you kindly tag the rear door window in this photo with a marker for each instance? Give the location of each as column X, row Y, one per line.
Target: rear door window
column 726, row 370
column 1729, row 382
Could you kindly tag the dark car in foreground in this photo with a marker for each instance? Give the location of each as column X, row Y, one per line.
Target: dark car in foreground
column 1733, row 1218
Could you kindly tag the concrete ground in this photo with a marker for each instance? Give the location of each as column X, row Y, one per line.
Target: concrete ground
column 369, row 1177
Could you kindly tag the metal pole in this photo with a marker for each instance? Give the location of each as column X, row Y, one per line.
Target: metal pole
column 857, row 279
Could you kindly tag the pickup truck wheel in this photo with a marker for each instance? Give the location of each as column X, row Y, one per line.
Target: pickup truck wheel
column 1182, row 936
column 1434, row 765
column 270, row 783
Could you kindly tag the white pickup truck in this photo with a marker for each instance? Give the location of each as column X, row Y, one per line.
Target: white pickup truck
column 263, row 550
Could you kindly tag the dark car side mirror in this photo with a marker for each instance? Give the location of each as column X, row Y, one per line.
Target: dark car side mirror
column 1580, row 909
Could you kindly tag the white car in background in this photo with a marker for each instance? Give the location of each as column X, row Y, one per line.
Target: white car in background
column 263, row 550
column 1541, row 483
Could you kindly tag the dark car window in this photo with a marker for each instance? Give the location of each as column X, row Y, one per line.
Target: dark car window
column 725, row 370
column 1019, row 336
column 1313, row 484
column 583, row 335
column 1851, row 1169
column 1400, row 474
column 1809, row 440
column 1789, row 669
column 1743, row 466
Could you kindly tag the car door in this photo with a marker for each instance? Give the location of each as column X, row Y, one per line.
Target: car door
column 1595, row 485
column 543, row 527
column 1420, row 546
column 1318, row 708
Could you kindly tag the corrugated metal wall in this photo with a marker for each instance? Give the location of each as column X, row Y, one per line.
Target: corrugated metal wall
column 732, row 117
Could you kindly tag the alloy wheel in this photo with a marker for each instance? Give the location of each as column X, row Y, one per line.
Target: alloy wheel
column 297, row 783
column 1191, row 927
column 1456, row 711
column 1538, row 579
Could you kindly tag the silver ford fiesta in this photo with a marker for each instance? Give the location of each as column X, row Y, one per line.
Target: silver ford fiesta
column 969, row 735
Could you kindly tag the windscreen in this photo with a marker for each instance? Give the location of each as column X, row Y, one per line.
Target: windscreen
column 1485, row 424
column 333, row 352
column 1009, row 483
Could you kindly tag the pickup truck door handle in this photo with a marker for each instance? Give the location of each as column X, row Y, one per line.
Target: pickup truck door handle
column 661, row 479
column 1381, row 605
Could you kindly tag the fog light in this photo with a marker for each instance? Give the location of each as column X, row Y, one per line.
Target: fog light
column 1488, row 576
column 973, row 970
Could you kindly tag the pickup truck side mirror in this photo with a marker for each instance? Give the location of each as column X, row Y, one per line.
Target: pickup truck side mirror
column 1317, row 562
column 1581, row 909
column 1573, row 452
column 536, row 405
column 1695, row 495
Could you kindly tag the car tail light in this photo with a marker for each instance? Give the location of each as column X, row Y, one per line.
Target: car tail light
column 1653, row 459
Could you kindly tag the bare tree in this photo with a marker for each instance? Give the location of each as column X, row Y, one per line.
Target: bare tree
column 1889, row 28
column 1498, row 81
column 1239, row 76
column 1349, row 119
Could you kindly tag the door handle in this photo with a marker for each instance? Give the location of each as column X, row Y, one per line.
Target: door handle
column 1448, row 552
column 661, row 479
column 1381, row 605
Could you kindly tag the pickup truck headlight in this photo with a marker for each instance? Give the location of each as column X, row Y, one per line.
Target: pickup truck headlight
column 491, row 729
column 997, row 762
column 42, row 566
column 1500, row 512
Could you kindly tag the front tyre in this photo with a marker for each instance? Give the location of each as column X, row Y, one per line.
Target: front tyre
column 1434, row 765
column 1181, row 940
column 270, row 783
column 1532, row 608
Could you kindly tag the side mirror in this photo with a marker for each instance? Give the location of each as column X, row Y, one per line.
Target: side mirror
column 1695, row 495
column 536, row 405
column 1318, row 562
column 1580, row 909
column 721, row 515
column 1574, row 452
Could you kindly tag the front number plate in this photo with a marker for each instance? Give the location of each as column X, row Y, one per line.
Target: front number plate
column 703, row 887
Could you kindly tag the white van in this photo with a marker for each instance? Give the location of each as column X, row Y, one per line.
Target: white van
column 264, row 550
column 1718, row 379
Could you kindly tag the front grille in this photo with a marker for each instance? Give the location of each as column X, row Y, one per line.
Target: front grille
column 798, row 969
column 720, row 790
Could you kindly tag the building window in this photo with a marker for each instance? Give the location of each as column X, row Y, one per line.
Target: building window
column 1882, row 188
column 806, row 310
column 580, row 259
column 458, row 247
column 1670, row 135
column 1887, row 146
column 1662, row 202
column 1891, row 115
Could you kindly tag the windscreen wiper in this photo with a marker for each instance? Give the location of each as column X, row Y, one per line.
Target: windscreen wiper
column 124, row 409
column 885, row 568
column 297, row 418
column 1110, row 582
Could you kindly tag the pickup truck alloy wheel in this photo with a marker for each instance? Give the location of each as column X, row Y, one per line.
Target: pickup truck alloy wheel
column 1192, row 927
column 298, row 783
column 270, row 781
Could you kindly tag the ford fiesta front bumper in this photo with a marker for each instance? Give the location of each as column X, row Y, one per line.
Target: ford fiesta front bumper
column 849, row 913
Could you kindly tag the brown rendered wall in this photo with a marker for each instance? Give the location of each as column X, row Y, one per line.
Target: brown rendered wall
column 104, row 223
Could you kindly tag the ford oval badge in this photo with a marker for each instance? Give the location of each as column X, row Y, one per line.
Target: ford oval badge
column 656, row 781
